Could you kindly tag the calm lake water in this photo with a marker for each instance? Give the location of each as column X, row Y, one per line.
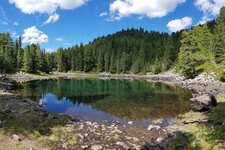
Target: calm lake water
column 109, row 100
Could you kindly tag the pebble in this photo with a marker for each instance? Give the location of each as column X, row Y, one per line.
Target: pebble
column 96, row 147
column 84, row 146
column 159, row 140
column 64, row 145
column 135, row 139
column 122, row 144
column 130, row 122
column 150, row 127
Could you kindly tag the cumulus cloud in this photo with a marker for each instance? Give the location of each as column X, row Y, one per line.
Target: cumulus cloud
column 150, row 8
column 179, row 24
column 46, row 6
column 52, row 18
column 59, row 39
column 210, row 7
column 70, row 4
column 33, row 35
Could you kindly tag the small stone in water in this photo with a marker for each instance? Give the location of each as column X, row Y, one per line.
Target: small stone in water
column 130, row 122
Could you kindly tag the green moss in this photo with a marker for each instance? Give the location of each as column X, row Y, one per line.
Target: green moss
column 220, row 98
column 218, row 113
column 66, row 135
column 202, row 137
column 193, row 116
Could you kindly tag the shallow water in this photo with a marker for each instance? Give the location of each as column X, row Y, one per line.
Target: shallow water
column 110, row 100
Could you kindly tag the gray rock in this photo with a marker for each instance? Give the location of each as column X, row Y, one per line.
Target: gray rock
column 204, row 102
column 159, row 140
column 122, row 144
column 96, row 147
column 64, row 145
column 16, row 137
column 84, row 146
column 150, row 127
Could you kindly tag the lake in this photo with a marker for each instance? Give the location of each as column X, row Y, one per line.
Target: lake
column 110, row 100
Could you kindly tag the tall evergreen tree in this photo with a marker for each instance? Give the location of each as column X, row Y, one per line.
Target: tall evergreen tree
column 19, row 54
column 27, row 61
column 60, row 57
column 219, row 37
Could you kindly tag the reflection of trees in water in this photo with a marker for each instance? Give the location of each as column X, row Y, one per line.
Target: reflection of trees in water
column 118, row 97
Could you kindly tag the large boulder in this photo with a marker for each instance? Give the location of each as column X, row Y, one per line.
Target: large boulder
column 204, row 102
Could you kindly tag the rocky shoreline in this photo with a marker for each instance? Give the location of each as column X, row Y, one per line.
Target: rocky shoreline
column 83, row 134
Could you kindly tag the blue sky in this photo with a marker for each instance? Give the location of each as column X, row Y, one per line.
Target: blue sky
column 54, row 23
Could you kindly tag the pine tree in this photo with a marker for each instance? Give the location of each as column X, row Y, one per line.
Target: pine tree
column 125, row 62
column 100, row 65
column 40, row 59
column 27, row 61
column 219, row 37
column 112, row 67
column 19, row 54
column 107, row 61
column 141, row 59
column 60, row 57
column 8, row 59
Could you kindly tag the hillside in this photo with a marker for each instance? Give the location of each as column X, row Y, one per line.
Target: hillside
column 191, row 52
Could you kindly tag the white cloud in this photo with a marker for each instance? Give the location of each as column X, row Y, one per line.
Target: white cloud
column 103, row 14
column 179, row 24
column 71, row 4
column 210, row 7
column 59, row 39
column 46, row 7
column 204, row 20
column 33, row 35
column 150, row 8
column 15, row 23
column 52, row 18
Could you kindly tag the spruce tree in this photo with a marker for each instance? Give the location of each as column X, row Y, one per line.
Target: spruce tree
column 112, row 68
column 219, row 37
column 27, row 61
column 19, row 54
column 60, row 57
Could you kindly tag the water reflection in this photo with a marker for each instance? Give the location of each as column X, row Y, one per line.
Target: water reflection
column 109, row 99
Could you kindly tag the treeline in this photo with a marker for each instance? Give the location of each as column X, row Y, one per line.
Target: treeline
column 127, row 51
column 14, row 58
column 203, row 49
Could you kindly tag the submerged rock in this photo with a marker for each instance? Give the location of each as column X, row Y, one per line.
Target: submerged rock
column 130, row 122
